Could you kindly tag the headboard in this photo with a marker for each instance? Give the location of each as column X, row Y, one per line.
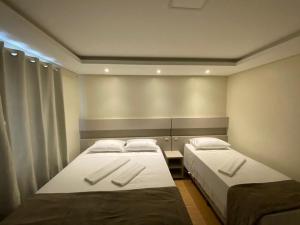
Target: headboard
column 95, row 129
column 199, row 126
column 184, row 129
column 170, row 133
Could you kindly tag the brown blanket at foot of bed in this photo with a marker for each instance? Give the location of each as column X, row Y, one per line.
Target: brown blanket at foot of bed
column 248, row 203
column 152, row 206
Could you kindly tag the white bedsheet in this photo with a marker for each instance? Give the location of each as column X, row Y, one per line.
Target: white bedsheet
column 71, row 178
column 204, row 165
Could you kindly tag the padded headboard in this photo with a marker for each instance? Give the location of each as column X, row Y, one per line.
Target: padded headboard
column 199, row 126
column 184, row 129
column 95, row 129
column 181, row 130
column 110, row 128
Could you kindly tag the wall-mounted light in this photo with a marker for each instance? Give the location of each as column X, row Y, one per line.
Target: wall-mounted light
column 14, row 53
column 158, row 71
column 106, row 70
column 207, row 71
column 32, row 60
column 45, row 65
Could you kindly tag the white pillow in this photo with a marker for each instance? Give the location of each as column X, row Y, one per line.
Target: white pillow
column 108, row 146
column 141, row 145
column 142, row 140
column 207, row 143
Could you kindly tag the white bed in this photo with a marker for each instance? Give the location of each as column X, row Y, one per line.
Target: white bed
column 71, row 178
column 69, row 199
column 204, row 164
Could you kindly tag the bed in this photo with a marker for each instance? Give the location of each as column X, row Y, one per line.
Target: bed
column 150, row 198
column 203, row 167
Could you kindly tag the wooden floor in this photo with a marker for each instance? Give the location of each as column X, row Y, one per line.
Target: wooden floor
column 199, row 211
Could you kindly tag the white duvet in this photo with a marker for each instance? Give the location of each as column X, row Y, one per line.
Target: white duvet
column 71, row 178
column 204, row 165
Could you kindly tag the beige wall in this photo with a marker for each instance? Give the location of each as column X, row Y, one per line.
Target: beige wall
column 145, row 97
column 264, row 109
column 72, row 108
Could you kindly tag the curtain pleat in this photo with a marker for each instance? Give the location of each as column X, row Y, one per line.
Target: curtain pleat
column 9, row 191
column 60, row 112
column 33, row 141
column 37, row 129
column 18, row 122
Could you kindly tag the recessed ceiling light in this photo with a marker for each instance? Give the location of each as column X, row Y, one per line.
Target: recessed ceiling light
column 106, row 70
column 158, row 71
column 207, row 71
column 14, row 53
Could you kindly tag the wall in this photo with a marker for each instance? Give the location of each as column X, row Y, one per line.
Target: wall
column 264, row 109
column 72, row 107
column 150, row 96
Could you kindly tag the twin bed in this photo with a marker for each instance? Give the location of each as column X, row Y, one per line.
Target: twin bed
column 203, row 166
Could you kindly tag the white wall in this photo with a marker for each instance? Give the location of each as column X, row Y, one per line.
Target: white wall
column 145, row 97
column 72, row 107
column 264, row 110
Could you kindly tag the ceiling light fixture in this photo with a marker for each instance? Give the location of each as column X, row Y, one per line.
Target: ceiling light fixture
column 14, row 53
column 32, row 60
column 45, row 65
column 207, row 71
column 106, row 70
column 158, row 71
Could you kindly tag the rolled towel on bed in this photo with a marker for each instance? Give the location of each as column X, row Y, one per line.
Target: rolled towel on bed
column 131, row 172
column 98, row 175
column 231, row 166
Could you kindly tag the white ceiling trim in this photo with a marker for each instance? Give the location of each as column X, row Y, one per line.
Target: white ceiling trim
column 18, row 29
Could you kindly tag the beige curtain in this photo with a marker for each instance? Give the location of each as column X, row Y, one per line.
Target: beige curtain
column 33, row 138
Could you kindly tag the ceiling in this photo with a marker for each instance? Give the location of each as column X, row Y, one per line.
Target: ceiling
column 136, row 37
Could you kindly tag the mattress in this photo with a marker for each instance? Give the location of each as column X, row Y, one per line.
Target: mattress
column 71, row 178
column 204, row 164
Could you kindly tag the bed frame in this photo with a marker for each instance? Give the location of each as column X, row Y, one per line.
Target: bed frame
column 210, row 202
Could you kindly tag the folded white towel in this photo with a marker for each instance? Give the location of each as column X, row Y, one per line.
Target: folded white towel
column 131, row 172
column 106, row 170
column 232, row 165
